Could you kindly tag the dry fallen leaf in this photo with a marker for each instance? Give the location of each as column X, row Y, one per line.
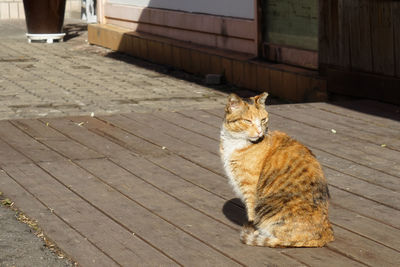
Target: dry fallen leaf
column 6, row 202
column 383, row 145
column 333, row 131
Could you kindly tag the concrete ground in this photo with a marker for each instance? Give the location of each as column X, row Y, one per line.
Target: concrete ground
column 19, row 246
column 75, row 78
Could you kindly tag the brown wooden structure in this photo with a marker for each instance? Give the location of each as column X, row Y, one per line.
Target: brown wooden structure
column 359, row 47
column 349, row 47
column 149, row 189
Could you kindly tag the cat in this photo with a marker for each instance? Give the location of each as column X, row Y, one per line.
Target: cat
column 279, row 180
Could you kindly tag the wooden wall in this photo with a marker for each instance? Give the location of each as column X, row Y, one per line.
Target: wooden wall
column 359, row 47
column 360, row 35
column 220, row 32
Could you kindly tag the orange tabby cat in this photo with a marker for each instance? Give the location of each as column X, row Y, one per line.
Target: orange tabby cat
column 279, row 180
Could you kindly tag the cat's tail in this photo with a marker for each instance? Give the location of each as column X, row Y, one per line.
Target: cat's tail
column 252, row 236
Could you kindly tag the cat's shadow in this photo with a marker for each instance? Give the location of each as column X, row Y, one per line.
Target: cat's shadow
column 234, row 210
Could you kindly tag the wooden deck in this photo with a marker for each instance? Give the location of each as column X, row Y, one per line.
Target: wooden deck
column 149, row 189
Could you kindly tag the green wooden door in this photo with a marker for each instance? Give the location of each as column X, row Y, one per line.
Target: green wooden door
column 290, row 24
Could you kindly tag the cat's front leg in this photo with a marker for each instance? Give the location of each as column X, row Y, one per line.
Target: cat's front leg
column 250, row 206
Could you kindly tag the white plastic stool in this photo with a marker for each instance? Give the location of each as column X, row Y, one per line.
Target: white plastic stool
column 49, row 37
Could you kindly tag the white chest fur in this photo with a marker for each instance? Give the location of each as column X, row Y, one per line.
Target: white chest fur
column 230, row 144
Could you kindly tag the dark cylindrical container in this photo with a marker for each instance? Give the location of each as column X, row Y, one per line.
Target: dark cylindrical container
column 44, row 16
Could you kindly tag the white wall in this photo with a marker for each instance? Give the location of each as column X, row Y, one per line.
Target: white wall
column 231, row 8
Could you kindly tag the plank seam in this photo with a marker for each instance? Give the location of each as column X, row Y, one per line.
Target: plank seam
column 172, row 136
column 372, row 218
column 188, row 129
column 366, row 237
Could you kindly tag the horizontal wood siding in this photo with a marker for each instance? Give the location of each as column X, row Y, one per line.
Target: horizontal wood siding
column 214, row 31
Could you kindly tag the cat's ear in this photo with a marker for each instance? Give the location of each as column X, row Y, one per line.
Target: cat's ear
column 234, row 103
column 260, row 99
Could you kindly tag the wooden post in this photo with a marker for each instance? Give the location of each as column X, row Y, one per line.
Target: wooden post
column 257, row 28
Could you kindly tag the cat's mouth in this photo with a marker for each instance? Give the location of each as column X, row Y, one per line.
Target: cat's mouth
column 256, row 140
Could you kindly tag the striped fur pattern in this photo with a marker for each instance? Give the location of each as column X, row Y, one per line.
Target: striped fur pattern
column 279, row 179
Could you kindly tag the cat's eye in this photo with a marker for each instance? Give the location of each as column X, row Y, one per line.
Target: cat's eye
column 247, row 121
column 264, row 120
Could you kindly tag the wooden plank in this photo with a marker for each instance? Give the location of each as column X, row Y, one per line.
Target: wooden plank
column 362, row 249
column 333, row 34
column 185, row 170
column 175, row 131
column 187, row 218
column 382, row 37
column 344, row 36
column 323, row 34
column 51, row 138
column 25, row 144
column 322, row 257
column 364, row 111
column 143, row 168
column 369, row 175
column 210, row 181
column 396, row 33
column 363, row 226
column 151, row 172
column 68, row 239
column 196, row 154
column 127, row 162
column 203, row 116
column 9, row 155
column 189, row 124
column 375, row 152
column 360, row 34
column 342, row 147
column 347, row 125
column 120, row 244
column 359, row 187
column 94, row 133
column 365, row 207
column 136, row 218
